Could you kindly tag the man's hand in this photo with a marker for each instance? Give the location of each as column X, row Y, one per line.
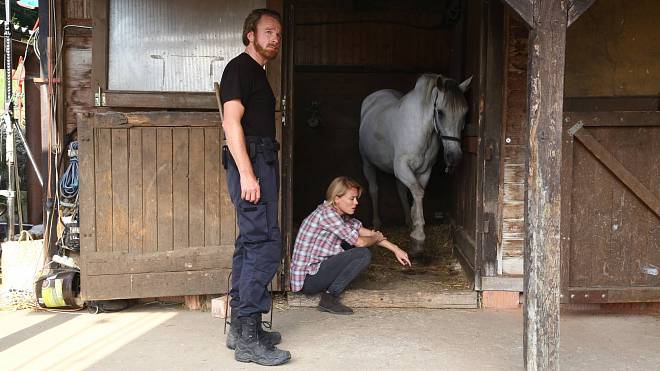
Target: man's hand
column 250, row 189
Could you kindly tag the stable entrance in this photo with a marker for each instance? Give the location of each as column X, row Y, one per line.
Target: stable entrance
column 340, row 52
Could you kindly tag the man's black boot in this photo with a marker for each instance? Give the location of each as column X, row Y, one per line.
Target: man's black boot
column 234, row 333
column 250, row 348
column 330, row 303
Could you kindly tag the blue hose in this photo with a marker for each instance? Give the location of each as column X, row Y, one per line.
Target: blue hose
column 69, row 181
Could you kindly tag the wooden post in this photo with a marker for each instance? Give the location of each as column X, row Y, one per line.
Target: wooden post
column 548, row 20
column 547, row 40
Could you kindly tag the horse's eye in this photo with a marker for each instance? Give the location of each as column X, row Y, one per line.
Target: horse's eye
column 440, row 114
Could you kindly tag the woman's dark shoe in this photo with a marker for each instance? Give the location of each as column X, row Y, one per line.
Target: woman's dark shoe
column 331, row 304
column 234, row 333
column 251, row 348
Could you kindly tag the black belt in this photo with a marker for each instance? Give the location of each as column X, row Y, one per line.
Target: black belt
column 254, row 145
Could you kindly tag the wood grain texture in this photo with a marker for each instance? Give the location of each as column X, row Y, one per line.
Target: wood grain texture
column 150, row 195
column 144, row 285
column 394, row 299
column 103, row 191
column 542, row 255
column 180, row 180
column 211, row 186
column 120, row 190
column 135, row 194
column 164, row 189
column 196, row 188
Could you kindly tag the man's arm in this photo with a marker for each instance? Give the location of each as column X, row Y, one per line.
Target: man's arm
column 233, row 112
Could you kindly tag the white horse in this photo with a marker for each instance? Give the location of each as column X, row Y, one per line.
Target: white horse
column 401, row 134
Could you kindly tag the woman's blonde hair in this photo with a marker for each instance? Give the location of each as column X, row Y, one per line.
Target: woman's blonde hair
column 339, row 186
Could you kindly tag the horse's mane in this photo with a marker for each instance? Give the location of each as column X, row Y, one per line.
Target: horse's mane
column 453, row 97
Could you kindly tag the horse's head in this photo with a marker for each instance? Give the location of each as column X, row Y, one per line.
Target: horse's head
column 449, row 109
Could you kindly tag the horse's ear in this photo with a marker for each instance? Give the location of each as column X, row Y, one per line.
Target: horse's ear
column 465, row 84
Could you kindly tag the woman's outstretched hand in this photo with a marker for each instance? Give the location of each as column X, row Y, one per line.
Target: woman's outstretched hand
column 402, row 257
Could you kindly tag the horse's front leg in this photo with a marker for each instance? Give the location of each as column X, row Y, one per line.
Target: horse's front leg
column 372, row 180
column 404, row 173
column 405, row 203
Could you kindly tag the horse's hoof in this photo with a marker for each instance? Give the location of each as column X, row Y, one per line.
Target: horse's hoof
column 417, row 248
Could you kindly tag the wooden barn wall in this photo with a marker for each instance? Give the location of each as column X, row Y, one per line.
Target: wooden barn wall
column 341, row 56
column 611, row 51
column 614, row 50
column 514, row 146
column 76, row 60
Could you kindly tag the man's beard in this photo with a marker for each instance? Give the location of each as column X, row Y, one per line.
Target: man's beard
column 266, row 53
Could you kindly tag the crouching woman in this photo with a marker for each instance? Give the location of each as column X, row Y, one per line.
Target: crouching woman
column 331, row 248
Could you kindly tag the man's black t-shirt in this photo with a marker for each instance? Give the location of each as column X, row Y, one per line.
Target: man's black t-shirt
column 244, row 79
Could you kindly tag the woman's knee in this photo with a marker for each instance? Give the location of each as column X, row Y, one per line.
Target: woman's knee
column 364, row 254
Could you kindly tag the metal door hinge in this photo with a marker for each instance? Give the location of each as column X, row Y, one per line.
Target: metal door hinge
column 588, row 296
column 99, row 98
column 283, row 107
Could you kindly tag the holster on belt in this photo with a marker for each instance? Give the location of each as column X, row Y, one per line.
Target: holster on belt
column 267, row 148
column 225, row 156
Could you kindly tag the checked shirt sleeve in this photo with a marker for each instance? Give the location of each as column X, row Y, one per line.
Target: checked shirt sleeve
column 346, row 230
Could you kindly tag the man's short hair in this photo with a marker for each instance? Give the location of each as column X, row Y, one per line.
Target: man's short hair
column 253, row 18
column 339, row 186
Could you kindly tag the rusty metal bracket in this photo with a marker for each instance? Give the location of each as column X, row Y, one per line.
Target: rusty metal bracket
column 574, row 129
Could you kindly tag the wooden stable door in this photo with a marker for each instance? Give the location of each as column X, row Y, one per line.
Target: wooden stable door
column 156, row 217
column 611, row 207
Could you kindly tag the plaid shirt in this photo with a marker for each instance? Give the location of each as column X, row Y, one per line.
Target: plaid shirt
column 319, row 238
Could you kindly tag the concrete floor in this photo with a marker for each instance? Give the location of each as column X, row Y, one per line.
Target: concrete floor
column 157, row 337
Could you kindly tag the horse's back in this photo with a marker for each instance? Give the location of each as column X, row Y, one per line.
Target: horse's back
column 379, row 102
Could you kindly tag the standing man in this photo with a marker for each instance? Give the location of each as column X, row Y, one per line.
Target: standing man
column 253, row 182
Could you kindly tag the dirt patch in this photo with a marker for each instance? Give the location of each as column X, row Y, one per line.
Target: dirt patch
column 436, row 270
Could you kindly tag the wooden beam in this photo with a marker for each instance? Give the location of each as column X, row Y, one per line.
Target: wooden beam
column 180, row 100
column 576, row 8
column 100, row 10
column 547, row 43
column 620, row 171
column 359, row 298
column 117, row 120
column 524, row 10
column 613, row 119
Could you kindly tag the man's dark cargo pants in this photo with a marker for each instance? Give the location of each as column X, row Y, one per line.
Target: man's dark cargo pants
column 258, row 246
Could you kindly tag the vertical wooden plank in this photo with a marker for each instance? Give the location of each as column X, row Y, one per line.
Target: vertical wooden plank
column 100, row 9
column 653, row 233
column 212, row 186
column 196, row 188
column 227, row 212
column 87, row 157
column 164, row 188
column 149, row 196
column 545, row 88
column 180, row 186
column 120, row 190
column 566, row 208
column 135, row 226
column 103, row 158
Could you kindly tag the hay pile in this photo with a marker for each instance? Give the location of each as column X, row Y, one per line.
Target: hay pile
column 436, row 270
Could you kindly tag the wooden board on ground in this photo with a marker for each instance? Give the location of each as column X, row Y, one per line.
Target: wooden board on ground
column 466, row 299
